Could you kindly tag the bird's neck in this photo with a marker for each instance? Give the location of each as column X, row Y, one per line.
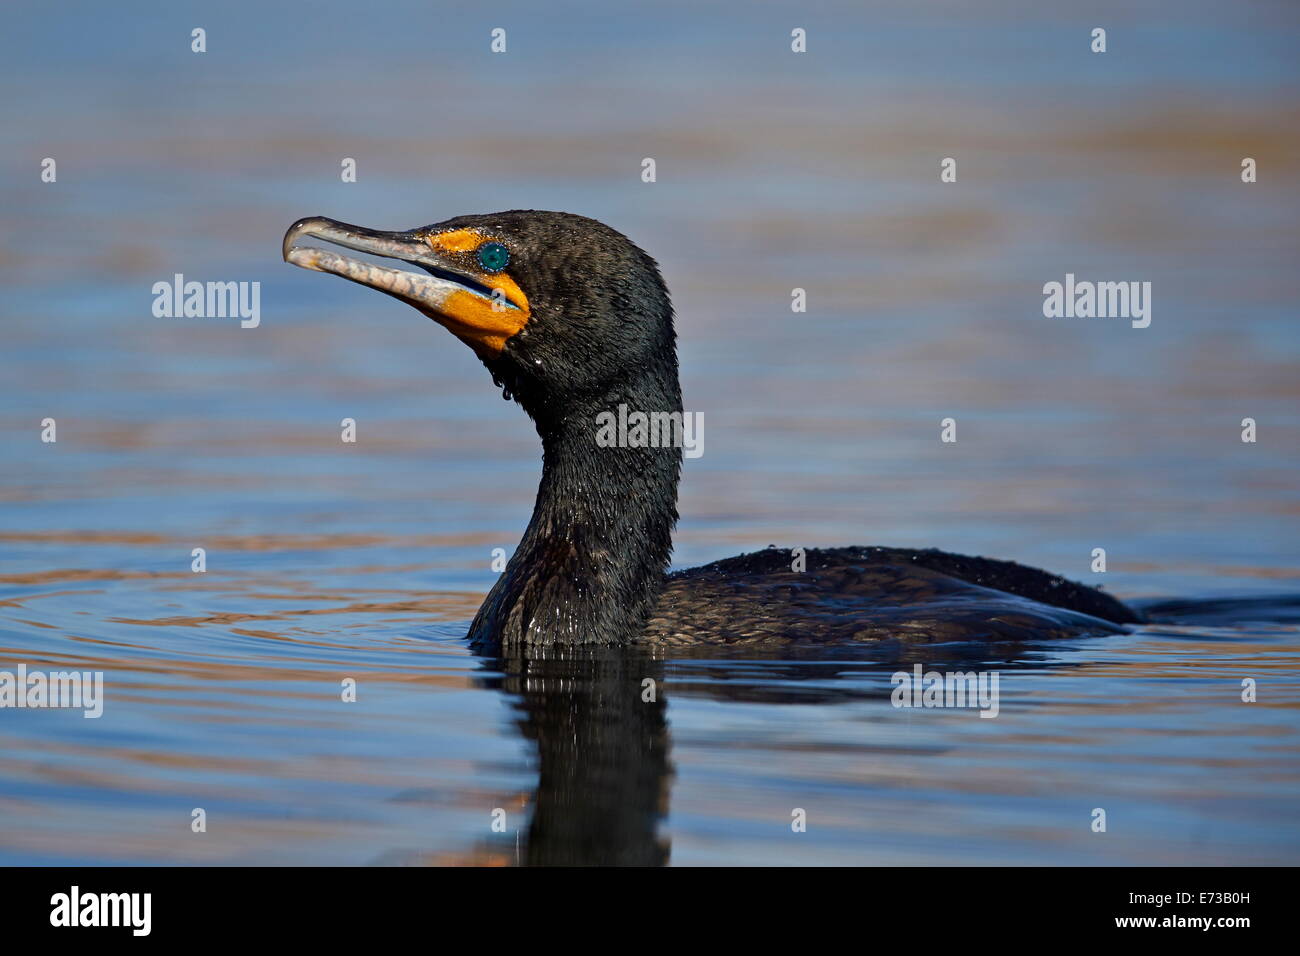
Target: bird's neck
column 591, row 563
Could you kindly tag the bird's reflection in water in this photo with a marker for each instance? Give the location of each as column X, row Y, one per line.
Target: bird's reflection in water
column 597, row 717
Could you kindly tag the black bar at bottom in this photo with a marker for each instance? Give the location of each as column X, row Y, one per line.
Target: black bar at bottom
column 331, row 906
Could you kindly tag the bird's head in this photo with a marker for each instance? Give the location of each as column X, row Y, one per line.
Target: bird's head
column 556, row 305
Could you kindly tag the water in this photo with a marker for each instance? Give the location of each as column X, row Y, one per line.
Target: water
column 328, row 561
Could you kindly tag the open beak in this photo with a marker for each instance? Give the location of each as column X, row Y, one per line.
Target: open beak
column 482, row 310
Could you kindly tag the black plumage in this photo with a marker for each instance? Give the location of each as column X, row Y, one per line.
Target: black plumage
column 597, row 332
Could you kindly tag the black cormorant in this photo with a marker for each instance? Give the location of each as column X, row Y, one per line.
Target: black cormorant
column 573, row 320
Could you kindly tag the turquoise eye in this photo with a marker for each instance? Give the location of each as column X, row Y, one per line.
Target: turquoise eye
column 493, row 257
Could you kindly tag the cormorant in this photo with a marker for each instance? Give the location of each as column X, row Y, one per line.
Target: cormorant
column 573, row 320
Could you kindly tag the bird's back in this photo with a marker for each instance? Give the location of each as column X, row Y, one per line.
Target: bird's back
column 872, row 594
